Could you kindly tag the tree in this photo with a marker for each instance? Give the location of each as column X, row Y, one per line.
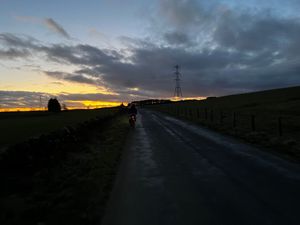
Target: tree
column 53, row 105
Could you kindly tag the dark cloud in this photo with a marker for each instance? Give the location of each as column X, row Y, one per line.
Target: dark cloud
column 17, row 46
column 177, row 38
column 56, row 28
column 9, row 40
column 79, row 54
column 256, row 32
column 12, row 53
column 78, row 78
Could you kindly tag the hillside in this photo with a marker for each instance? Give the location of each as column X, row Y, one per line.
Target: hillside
column 279, row 101
column 269, row 118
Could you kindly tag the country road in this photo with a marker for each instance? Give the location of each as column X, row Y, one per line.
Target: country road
column 173, row 172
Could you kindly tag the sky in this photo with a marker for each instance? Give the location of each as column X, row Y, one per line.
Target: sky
column 99, row 53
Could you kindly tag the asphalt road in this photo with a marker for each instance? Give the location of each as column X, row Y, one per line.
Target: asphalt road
column 173, row 172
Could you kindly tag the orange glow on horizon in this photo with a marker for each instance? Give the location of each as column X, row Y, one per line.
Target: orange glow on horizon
column 95, row 104
column 23, row 109
column 175, row 99
column 81, row 105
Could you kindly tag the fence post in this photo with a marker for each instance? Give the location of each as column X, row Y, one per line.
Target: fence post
column 280, row 126
column 253, row 122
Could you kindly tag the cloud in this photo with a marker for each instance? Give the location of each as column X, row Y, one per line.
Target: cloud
column 78, row 54
column 77, row 78
column 10, row 40
column 28, row 99
column 177, row 38
column 182, row 13
column 220, row 50
column 57, row 83
column 14, row 46
column 12, row 53
column 21, row 99
column 49, row 23
column 256, row 32
column 56, row 28
column 149, row 68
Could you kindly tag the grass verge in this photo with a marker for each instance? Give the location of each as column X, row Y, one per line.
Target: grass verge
column 73, row 188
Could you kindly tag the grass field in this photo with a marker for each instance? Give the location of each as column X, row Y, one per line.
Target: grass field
column 268, row 117
column 67, row 179
column 18, row 126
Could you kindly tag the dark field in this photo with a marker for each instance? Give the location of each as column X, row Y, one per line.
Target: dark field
column 271, row 118
column 65, row 175
column 19, row 126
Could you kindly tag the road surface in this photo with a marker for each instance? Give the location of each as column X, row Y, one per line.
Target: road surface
column 173, row 172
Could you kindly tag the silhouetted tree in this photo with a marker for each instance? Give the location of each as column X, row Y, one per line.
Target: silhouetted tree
column 53, row 105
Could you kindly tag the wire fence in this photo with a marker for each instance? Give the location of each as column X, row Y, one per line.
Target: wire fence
column 264, row 124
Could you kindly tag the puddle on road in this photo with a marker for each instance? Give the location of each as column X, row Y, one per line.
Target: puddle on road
column 143, row 152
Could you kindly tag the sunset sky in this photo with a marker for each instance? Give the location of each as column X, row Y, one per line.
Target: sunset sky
column 100, row 53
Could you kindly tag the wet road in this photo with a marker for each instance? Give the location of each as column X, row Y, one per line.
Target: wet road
column 173, row 172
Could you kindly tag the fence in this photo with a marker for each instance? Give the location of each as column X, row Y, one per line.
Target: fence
column 237, row 121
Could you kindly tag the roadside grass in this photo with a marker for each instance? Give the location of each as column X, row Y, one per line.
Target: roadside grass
column 268, row 118
column 73, row 190
column 19, row 126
